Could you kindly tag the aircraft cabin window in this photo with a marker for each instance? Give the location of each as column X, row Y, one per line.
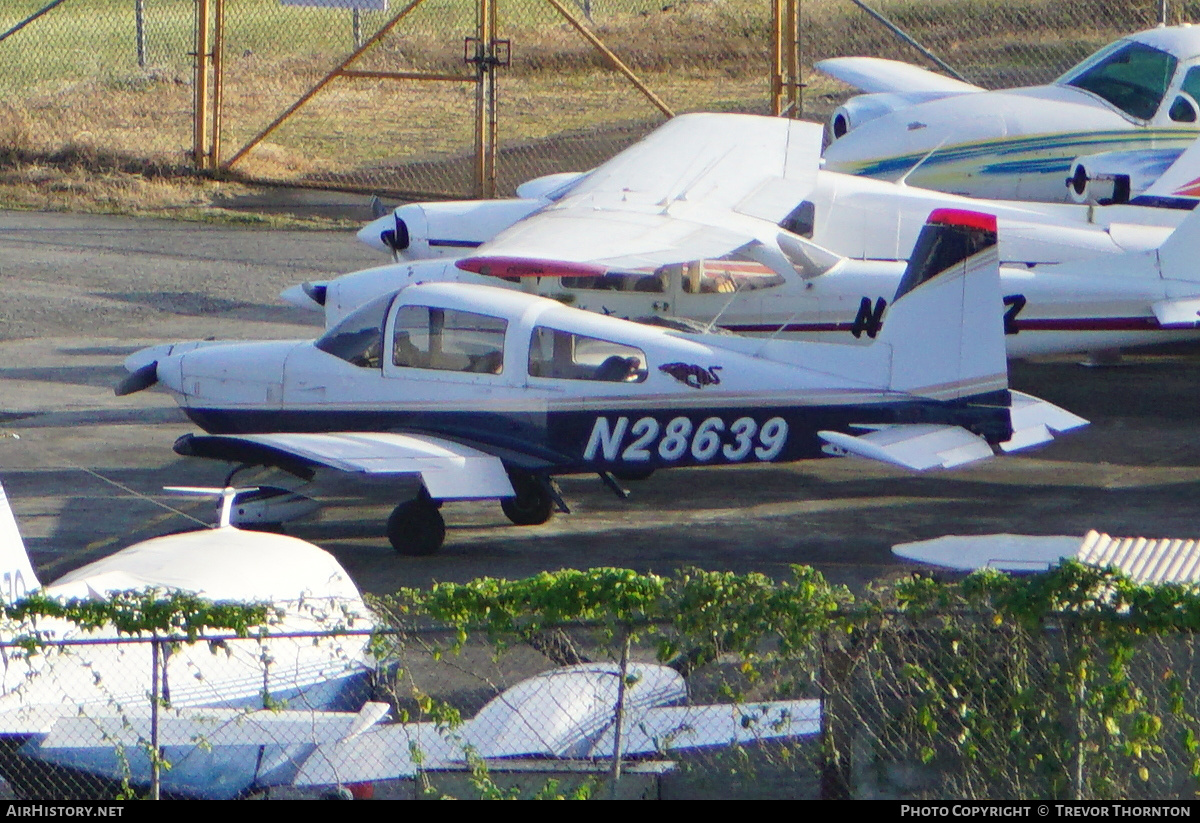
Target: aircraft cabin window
column 426, row 337
column 801, row 220
column 554, row 353
column 727, row 277
column 1133, row 78
column 641, row 281
column 1182, row 111
column 358, row 339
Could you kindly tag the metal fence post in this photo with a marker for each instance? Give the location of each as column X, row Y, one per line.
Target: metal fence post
column 155, row 776
column 200, row 104
column 139, row 14
column 615, row 771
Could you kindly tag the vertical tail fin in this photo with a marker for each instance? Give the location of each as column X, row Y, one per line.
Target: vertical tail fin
column 945, row 325
column 16, row 572
column 1179, row 255
column 1178, row 187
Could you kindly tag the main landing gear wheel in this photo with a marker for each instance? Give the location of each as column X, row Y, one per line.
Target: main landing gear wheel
column 416, row 528
column 533, row 504
column 633, row 475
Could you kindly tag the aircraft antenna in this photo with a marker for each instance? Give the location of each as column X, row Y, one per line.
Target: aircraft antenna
column 777, row 332
column 904, row 177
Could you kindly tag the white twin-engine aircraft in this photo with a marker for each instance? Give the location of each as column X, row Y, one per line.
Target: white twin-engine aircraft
column 451, row 391
column 725, row 220
column 1113, row 123
column 213, row 731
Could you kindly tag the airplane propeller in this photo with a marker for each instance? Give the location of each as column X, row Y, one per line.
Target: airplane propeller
column 143, row 378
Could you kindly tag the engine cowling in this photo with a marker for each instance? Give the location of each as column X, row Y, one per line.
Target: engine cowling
column 867, row 107
column 420, row 231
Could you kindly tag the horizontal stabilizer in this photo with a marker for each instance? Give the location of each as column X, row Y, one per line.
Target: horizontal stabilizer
column 1177, row 314
column 1036, row 421
column 917, row 446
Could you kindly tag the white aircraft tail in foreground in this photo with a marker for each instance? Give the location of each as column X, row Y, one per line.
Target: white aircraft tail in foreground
column 104, row 676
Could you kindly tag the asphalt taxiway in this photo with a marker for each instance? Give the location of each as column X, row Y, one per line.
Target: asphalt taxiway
column 78, row 293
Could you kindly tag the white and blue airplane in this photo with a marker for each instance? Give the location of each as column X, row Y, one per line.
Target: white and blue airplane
column 217, row 734
column 450, row 391
column 740, row 229
column 1116, row 120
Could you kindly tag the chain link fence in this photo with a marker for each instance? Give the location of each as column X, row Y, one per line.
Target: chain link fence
column 242, row 718
column 944, row 706
column 113, row 81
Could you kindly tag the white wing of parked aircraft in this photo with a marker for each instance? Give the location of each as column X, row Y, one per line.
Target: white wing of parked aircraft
column 1144, row 560
column 876, row 75
column 1074, row 278
column 563, row 714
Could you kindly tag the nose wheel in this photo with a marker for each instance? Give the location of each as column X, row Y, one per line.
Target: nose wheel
column 416, row 528
column 533, row 503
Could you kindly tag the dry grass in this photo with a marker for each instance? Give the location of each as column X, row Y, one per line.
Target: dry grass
column 71, row 84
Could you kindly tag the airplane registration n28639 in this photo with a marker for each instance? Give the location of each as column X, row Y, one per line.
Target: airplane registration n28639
column 680, row 440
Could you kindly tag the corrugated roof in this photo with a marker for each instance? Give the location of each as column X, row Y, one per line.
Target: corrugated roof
column 1145, row 560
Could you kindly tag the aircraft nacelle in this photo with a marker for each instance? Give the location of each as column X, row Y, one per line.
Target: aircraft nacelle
column 866, row 107
column 1117, row 176
column 338, row 297
column 421, row 230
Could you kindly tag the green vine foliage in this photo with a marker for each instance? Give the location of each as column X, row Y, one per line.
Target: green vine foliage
column 1076, row 683
column 173, row 614
column 693, row 616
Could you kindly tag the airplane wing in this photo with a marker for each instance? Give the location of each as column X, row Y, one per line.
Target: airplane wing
column 1007, row 552
column 874, row 74
column 703, row 186
column 671, row 728
column 212, row 727
column 401, row 749
column 449, row 470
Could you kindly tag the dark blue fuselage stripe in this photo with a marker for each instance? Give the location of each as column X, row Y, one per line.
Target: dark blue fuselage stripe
column 555, row 441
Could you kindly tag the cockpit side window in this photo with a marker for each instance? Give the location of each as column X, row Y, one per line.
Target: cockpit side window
column 358, row 338
column 641, row 281
column 568, row 356
column 427, row 337
column 1133, row 78
column 727, row 277
column 1183, row 109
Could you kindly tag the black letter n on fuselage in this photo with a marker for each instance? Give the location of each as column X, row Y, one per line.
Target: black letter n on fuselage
column 868, row 320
